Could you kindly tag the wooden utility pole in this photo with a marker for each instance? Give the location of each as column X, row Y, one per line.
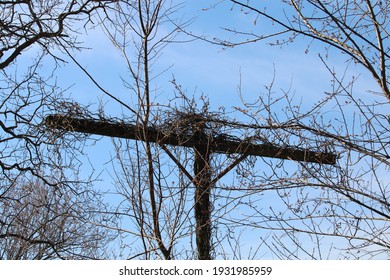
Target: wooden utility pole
column 203, row 145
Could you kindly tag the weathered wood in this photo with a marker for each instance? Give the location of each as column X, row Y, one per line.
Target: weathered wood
column 215, row 145
column 202, row 203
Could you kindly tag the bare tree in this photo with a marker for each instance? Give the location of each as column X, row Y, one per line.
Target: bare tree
column 341, row 212
column 31, row 32
column 40, row 23
column 50, row 223
column 299, row 210
column 158, row 209
column 156, row 206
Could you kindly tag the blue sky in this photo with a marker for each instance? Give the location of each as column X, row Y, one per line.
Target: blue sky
column 205, row 67
column 202, row 68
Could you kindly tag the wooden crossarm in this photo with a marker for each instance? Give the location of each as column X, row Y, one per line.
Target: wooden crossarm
column 215, row 145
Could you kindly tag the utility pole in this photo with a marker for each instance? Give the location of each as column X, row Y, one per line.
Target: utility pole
column 203, row 145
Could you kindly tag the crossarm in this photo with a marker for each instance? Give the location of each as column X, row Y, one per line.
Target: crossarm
column 215, row 145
